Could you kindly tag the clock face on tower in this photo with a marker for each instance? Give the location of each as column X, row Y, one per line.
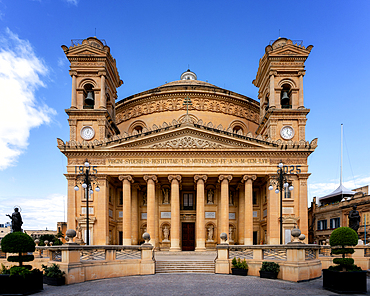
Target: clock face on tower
column 87, row 133
column 287, row 132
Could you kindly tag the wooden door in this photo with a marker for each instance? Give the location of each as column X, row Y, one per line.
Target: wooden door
column 188, row 236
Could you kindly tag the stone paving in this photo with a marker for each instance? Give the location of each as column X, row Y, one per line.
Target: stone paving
column 190, row 284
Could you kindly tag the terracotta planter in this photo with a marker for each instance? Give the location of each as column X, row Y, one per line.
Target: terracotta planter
column 18, row 285
column 54, row 281
column 349, row 282
column 239, row 271
column 268, row 274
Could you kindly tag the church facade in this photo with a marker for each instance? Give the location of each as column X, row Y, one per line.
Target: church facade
column 188, row 160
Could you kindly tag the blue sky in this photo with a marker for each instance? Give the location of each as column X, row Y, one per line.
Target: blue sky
column 154, row 42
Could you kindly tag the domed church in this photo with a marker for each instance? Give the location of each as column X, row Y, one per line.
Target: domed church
column 188, row 160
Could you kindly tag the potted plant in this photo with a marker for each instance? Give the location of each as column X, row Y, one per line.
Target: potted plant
column 269, row 270
column 22, row 279
column 344, row 277
column 53, row 275
column 239, row 267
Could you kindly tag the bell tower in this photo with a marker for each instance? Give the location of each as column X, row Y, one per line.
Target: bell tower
column 95, row 80
column 280, row 82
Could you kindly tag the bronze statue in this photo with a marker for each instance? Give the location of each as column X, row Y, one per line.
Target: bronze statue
column 16, row 220
column 354, row 218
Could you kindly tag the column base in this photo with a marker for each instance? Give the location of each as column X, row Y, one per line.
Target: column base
column 126, row 242
column 200, row 249
column 175, row 249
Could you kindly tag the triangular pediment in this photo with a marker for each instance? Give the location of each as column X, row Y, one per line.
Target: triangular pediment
column 289, row 50
column 186, row 137
column 85, row 49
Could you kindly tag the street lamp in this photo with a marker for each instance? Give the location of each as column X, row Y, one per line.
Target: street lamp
column 281, row 183
column 87, row 179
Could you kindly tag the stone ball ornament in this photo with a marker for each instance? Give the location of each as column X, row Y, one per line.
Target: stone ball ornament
column 302, row 237
column 70, row 234
column 146, row 237
column 223, row 237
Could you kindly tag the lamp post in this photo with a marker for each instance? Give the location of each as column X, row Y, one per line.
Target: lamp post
column 281, row 184
column 87, row 179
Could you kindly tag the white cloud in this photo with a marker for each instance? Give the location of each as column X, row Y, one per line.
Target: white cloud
column 37, row 213
column 322, row 189
column 61, row 62
column 74, row 2
column 20, row 71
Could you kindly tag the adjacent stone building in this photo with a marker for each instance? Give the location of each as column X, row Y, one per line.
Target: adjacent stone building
column 331, row 212
column 187, row 160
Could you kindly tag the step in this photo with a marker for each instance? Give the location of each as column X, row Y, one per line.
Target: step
column 185, row 267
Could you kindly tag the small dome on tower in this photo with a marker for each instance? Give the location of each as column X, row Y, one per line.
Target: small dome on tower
column 188, row 75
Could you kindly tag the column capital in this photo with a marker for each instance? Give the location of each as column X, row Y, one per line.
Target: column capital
column 102, row 73
column 73, row 73
column 150, row 177
column 200, row 177
column 249, row 177
column 174, row 177
column 126, row 177
column 225, row 177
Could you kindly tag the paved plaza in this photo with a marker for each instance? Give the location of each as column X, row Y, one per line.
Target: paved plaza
column 190, row 284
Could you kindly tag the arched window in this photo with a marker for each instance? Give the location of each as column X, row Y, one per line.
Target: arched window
column 237, row 128
column 285, row 97
column 138, row 128
column 89, row 98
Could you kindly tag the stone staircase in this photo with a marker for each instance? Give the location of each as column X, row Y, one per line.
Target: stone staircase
column 185, row 262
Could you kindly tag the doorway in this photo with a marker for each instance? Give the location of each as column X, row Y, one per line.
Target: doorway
column 188, row 236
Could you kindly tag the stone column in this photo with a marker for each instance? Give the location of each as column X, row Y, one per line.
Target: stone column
column 135, row 214
column 103, row 103
column 175, row 212
column 248, row 209
column 99, row 234
column 151, row 179
column 272, row 102
column 74, row 89
column 241, row 214
column 301, row 194
column 72, row 202
column 200, row 218
column 300, row 98
column 157, row 199
column 224, row 180
column 126, row 208
column 273, row 213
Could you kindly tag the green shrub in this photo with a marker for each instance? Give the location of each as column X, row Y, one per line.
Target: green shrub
column 19, row 270
column 341, row 238
column 342, row 251
column 18, row 242
column 4, row 269
column 239, row 264
column 343, row 261
column 270, row 266
column 53, row 271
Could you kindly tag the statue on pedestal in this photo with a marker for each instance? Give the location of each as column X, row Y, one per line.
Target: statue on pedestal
column 354, row 218
column 210, row 233
column 166, row 233
column 16, row 220
column 166, row 194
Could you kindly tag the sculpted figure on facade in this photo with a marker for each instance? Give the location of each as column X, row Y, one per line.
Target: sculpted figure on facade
column 144, row 199
column 210, row 233
column 210, row 196
column 166, row 196
column 166, row 233
column 231, row 234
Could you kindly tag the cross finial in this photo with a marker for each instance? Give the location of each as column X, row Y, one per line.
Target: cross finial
column 187, row 102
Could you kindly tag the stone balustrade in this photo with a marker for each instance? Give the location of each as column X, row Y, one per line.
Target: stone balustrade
column 84, row 263
column 298, row 262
